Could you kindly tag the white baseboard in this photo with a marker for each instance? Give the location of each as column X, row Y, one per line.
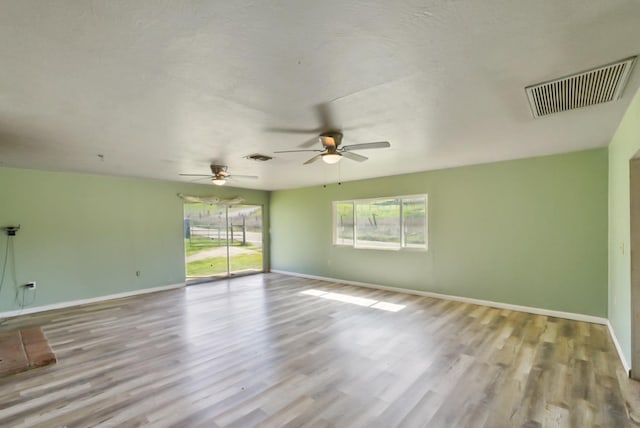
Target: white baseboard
column 499, row 305
column 68, row 304
column 623, row 360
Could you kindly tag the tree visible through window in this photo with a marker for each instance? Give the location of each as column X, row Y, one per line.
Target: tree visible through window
column 383, row 223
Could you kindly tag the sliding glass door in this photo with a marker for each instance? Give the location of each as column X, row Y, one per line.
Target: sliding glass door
column 245, row 239
column 205, row 230
column 222, row 240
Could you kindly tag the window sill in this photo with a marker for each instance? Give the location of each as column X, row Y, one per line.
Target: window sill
column 405, row 249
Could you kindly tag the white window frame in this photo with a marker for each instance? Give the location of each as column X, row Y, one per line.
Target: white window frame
column 403, row 246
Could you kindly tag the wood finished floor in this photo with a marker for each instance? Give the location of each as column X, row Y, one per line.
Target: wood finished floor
column 256, row 351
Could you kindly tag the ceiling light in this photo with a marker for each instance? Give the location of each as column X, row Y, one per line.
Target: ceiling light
column 218, row 181
column 331, row 158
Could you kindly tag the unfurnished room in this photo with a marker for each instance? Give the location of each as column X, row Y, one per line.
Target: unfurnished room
column 320, row 214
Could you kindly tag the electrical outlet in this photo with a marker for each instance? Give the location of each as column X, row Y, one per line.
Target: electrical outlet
column 138, row 273
column 30, row 285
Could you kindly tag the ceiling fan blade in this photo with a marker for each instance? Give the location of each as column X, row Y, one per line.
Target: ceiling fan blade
column 294, row 130
column 364, row 146
column 242, row 176
column 293, row 151
column 354, row 156
column 327, row 119
column 359, row 126
column 310, row 143
column 209, row 177
column 196, row 175
column 313, row 159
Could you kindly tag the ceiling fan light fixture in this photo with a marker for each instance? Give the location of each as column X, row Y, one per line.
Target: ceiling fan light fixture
column 331, row 158
column 218, row 181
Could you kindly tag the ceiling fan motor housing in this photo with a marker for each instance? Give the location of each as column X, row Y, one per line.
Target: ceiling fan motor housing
column 219, row 170
column 331, row 140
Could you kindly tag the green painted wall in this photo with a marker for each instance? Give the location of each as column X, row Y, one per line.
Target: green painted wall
column 86, row 236
column 529, row 232
column 624, row 145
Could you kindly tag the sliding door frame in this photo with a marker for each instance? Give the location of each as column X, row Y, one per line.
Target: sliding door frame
column 229, row 274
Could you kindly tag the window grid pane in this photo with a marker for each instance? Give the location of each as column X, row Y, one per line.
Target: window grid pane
column 343, row 220
column 414, row 214
column 378, row 223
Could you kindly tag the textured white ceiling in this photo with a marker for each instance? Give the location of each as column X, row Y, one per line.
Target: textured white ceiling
column 167, row 87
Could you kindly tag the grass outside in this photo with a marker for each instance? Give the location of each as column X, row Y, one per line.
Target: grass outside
column 218, row 265
column 410, row 238
column 199, row 243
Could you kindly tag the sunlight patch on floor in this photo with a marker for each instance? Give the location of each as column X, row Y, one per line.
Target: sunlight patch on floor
column 360, row 301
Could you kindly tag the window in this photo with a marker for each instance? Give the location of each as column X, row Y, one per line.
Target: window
column 378, row 223
column 343, row 220
column 389, row 223
column 414, row 222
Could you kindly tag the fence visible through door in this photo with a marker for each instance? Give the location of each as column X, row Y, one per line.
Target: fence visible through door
column 222, row 240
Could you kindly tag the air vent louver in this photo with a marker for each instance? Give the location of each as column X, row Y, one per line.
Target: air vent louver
column 600, row 85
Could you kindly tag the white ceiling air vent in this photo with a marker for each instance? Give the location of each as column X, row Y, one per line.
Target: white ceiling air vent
column 596, row 86
column 258, row 157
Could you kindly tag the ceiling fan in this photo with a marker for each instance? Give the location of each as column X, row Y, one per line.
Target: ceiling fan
column 219, row 175
column 333, row 153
